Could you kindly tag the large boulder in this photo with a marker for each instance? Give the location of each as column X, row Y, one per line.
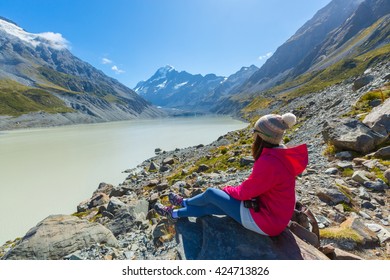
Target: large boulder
column 222, row 238
column 126, row 216
column 379, row 118
column 350, row 134
column 58, row 236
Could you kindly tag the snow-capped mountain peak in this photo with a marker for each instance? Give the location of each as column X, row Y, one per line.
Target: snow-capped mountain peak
column 50, row 39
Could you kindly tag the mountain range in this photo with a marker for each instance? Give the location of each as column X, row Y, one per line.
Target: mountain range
column 39, row 74
column 182, row 90
column 345, row 37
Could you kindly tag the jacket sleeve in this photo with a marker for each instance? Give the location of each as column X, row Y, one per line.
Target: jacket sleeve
column 261, row 180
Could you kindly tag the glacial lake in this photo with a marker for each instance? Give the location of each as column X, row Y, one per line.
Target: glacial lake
column 51, row 170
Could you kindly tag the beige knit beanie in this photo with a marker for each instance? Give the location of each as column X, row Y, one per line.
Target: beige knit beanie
column 271, row 127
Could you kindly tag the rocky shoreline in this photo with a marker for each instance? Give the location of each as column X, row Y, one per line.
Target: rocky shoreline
column 346, row 186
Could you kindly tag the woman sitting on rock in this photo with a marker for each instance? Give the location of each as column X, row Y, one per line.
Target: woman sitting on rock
column 264, row 202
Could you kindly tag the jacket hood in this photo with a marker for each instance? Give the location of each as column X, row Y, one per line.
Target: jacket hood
column 294, row 158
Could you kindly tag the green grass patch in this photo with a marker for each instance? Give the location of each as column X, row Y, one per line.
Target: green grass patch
column 341, row 233
column 363, row 107
column 17, row 99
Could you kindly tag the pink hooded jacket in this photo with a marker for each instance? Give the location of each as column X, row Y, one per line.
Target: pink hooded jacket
column 273, row 181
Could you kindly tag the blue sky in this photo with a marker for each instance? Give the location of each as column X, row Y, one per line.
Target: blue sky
column 130, row 39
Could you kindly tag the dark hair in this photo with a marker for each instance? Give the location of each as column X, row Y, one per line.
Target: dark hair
column 258, row 145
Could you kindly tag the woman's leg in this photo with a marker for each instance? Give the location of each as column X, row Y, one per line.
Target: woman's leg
column 212, row 201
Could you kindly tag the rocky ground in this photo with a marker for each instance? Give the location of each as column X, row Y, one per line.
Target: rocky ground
column 346, row 189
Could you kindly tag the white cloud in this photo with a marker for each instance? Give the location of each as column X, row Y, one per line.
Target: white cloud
column 266, row 56
column 117, row 70
column 54, row 40
column 106, row 61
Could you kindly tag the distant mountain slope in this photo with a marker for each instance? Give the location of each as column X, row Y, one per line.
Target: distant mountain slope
column 295, row 49
column 339, row 42
column 182, row 90
column 41, row 63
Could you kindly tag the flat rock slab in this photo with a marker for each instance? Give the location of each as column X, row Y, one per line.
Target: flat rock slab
column 222, row 238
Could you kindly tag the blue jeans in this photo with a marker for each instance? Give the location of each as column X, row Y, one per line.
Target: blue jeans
column 212, row 201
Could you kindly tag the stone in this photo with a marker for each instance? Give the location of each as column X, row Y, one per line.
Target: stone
column 206, row 239
column 58, row 236
column 118, row 191
column 343, row 255
column 132, row 215
column 103, row 188
column 382, row 233
column 162, row 186
column 378, row 185
column 379, row 118
column 363, row 194
column 332, row 197
column 383, row 153
column 375, row 102
column 352, row 135
column 360, row 177
column 153, row 166
column 370, row 164
column 344, row 155
column 364, row 215
column 98, row 199
column 114, row 205
column 345, row 165
column 362, row 81
column 245, row 161
column 386, row 174
column 203, row 168
column 331, row 171
column 351, row 235
column 168, row 161
column 367, row 205
column 157, row 151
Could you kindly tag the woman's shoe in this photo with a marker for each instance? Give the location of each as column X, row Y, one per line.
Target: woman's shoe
column 175, row 199
column 165, row 211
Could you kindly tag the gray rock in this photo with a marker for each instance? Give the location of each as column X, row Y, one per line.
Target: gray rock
column 368, row 205
column 375, row 102
column 58, row 236
column 387, row 175
column 352, row 135
column 168, row 161
column 203, row 168
column 133, row 214
column 332, row 196
column 345, row 155
column 244, row 161
column 153, row 166
column 345, row 165
column 103, row 188
column 98, row 199
column 331, row 171
column 364, row 215
column 362, row 81
column 360, row 177
column 383, row 153
column 382, row 233
column 378, row 185
column 363, row 194
column 379, row 118
column 114, row 205
column 370, row 164
column 206, row 239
